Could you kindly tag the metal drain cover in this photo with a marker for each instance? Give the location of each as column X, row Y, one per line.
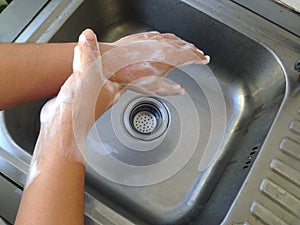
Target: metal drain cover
column 144, row 122
column 146, row 118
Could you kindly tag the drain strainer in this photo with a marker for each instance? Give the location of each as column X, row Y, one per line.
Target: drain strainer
column 146, row 118
column 144, row 122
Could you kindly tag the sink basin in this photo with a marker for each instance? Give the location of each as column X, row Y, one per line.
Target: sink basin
column 252, row 82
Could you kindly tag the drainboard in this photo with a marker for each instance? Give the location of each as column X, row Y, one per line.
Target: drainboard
column 142, row 131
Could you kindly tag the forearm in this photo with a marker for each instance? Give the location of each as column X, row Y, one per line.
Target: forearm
column 34, row 71
column 54, row 190
column 55, row 184
column 56, row 195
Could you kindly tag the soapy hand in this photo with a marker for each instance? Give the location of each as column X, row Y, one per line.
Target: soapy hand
column 137, row 62
column 148, row 54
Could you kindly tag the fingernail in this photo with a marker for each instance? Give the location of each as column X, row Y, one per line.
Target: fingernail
column 76, row 60
column 82, row 38
column 178, row 89
column 200, row 51
column 86, row 35
column 181, row 90
column 89, row 34
column 207, row 58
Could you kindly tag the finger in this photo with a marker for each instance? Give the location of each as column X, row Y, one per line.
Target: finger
column 155, row 86
column 176, row 41
column 108, row 95
column 167, row 38
column 86, row 52
column 151, row 35
column 136, row 71
column 148, row 51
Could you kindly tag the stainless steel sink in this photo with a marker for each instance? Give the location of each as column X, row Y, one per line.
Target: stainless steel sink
column 252, row 65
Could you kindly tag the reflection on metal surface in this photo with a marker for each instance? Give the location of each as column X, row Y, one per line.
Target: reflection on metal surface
column 254, row 83
column 279, row 183
column 265, row 215
column 290, row 147
column 10, row 197
column 280, row 14
column 286, row 171
column 295, row 126
column 281, row 196
column 293, row 5
column 17, row 16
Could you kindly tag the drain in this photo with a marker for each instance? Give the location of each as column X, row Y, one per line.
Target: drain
column 146, row 118
column 251, row 157
column 144, row 122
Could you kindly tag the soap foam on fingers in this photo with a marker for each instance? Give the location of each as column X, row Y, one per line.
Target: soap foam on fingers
column 66, row 119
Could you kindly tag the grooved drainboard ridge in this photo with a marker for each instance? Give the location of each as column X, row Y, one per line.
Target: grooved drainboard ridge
column 287, row 209
column 274, row 196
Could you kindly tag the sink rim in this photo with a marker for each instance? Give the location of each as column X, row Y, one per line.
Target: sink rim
column 285, row 63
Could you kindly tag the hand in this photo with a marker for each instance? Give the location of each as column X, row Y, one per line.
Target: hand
column 178, row 51
column 140, row 60
column 98, row 80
